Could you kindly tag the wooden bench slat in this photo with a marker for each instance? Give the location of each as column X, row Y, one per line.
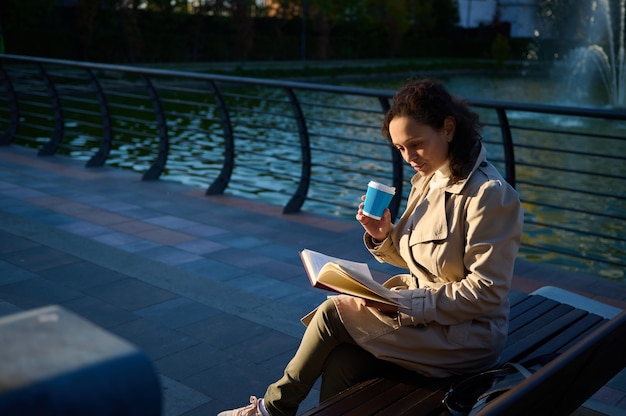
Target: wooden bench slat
column 421, row 401
column 377, row 402
column 516, row 297
column 570, row 336
column 524, row 305
column 386, row 397
column 523, row 347
column 345, row 401
column 538, row 308
column 535, row 323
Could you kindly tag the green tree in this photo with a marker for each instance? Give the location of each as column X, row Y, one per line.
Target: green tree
column 165, row 6
column 129, row 16
column 325, row 14
column 1, row 40
column 282, row 9
column 86, row 12
column 394, row 17
column 433, row 15
column 500, row 50
column 241, row 11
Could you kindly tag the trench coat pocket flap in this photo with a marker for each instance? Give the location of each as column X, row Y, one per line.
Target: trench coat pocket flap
column 433, row 223
column 437, row 232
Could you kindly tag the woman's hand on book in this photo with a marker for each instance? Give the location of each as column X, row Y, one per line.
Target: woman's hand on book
column 378, row 229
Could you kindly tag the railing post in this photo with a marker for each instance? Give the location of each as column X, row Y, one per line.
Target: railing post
column 298, row 198
column 53, row 144
column 219, row 185
column 507, row 139
column 397, row 164
column 14, row 121
column 159, row 164
column 107, row 130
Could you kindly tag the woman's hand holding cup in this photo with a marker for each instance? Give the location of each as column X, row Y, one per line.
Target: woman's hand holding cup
column 379, row 229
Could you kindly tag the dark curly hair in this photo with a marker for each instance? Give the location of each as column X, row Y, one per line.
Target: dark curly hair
column 428, row 102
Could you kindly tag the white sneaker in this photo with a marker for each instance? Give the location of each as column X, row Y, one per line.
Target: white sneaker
column 253, row 409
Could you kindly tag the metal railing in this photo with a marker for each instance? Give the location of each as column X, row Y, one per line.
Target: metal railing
column 314, row 147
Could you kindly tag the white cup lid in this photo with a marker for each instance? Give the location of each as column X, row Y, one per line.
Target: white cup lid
column 382, row 187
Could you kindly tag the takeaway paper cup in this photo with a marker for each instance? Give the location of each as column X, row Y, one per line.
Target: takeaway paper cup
column 377, row 198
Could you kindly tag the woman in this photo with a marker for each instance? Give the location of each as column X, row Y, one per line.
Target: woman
column 458, row 239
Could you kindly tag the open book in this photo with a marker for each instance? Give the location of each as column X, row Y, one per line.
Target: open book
column 347, row 277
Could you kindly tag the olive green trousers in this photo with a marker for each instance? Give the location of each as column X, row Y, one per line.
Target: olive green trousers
column 326, row 350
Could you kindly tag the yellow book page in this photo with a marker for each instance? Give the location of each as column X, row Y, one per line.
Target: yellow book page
column 334, row 276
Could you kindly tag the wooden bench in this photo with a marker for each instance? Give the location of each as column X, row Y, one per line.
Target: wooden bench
column 589, row 336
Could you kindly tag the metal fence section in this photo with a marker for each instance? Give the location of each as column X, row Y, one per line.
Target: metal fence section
column 315, row 147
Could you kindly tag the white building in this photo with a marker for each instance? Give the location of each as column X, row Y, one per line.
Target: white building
column 521, row 14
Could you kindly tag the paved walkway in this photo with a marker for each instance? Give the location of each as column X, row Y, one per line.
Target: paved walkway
column 211, row 288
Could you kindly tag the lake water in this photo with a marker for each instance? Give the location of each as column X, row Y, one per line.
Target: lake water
column 537, row 88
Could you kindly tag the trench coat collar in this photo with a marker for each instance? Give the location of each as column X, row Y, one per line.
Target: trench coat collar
column 480, row 161
column 432, row 209
column 456, row 188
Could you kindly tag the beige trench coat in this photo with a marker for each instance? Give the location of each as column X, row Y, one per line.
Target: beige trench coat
column 459, row 245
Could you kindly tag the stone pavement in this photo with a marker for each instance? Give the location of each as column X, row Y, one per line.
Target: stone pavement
column 211, row 288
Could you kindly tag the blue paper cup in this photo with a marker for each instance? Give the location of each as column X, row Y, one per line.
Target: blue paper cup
column 377, row 198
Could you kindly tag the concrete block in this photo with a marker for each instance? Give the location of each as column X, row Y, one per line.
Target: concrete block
column 53, row 362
